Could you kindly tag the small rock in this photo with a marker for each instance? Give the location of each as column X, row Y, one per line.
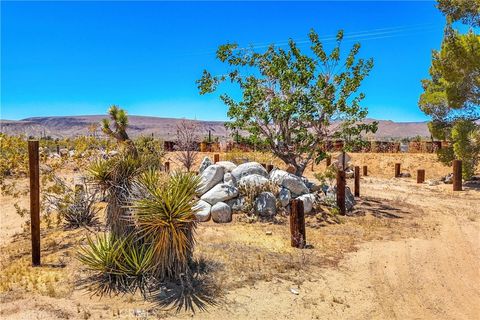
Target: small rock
column 221, row 213
column 405, row 175
column 284, row 196
column 433, row 182
column 294, row 291
column 268, row 233
column 229, row 179
column 448, row 179
column 349, row 173
column 206, row 162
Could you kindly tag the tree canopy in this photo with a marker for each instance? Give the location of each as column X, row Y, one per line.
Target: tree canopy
column 294, row 101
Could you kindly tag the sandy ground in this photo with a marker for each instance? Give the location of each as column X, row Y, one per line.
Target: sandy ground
column 409, row 252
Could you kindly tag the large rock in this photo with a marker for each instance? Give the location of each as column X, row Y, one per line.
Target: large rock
column 221, row 192
column 210, row 176
column 448, row 179
column 237, row 204
column 221, row 213
column 249, row 168
column 331, row 197
column 202, row 210
column 284, row 196
column 229, row 179
column 289, row 181
column 266, row 204
column 206, row 162
column 255, row 180
column 308, row 201
column 312, row 186
column 227, row 165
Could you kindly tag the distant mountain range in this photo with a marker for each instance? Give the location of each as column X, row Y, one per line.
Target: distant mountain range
column 165, row 128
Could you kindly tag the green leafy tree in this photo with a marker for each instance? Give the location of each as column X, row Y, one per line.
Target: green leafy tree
column 452, row 93
column 293, row 101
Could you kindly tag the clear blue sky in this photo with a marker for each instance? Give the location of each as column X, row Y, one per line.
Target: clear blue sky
column 64, row 58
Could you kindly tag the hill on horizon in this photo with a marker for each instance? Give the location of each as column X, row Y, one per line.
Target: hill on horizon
column 164, row 128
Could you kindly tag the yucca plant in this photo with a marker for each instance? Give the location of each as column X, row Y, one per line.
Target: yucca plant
column 116, row 176
column 165, row 219
column 119, row 119
column 119, row 265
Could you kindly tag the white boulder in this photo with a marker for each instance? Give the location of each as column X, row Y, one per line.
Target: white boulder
column 227, row 165
column 206, row 162
column 289, row 181
column 308, row 201
column 255, row 180
column 202, row 210
column 210, row 177
column 221, row 192
column 284, row 196
column 221, row 213
column 249, row 168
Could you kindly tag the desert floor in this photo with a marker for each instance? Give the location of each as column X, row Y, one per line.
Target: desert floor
column 408, row 251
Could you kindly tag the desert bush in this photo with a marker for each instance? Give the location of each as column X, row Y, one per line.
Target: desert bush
column 75, row 206
column 150, row 151
column 328, row 176
column 250, row 192
column 186, row 143
column 165, row 219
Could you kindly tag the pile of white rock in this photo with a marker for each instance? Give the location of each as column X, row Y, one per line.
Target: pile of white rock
column 220, row 196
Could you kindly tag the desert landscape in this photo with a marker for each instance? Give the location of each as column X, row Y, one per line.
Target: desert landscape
column 406, row 251
column 240, row 160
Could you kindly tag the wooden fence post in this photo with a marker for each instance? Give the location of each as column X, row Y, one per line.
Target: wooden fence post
column 457, row 175
column 167, row 166
column 216, row 158
column 269, row 168
column 365, row 171
column 34, row 170
column 420, row 175
column 341, row 191
column 357, row 181
column 58, row 149
column 397, row 170
column 297, row 224
column 329, row 161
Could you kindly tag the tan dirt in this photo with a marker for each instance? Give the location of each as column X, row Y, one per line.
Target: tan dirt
column 410, row 252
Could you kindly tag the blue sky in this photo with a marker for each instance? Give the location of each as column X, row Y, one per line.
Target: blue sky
column 74, row 58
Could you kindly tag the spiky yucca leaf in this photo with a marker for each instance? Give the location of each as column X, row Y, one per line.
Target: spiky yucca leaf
column 166, row 219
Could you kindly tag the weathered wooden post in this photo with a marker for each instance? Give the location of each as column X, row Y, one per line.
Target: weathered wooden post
column 269, row 168
column 297, row 224
column 216, row 158
column 329, row 161
column 58, row 149
column 34, row 170
column 397, row 170
column 420, row 175
column 457, row 175
column 365, row 171
column 357, row 181
column 167, row 166
column 341, row 191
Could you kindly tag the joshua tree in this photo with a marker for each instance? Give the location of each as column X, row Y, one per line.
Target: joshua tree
column 120, row 123
column 186, row 143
